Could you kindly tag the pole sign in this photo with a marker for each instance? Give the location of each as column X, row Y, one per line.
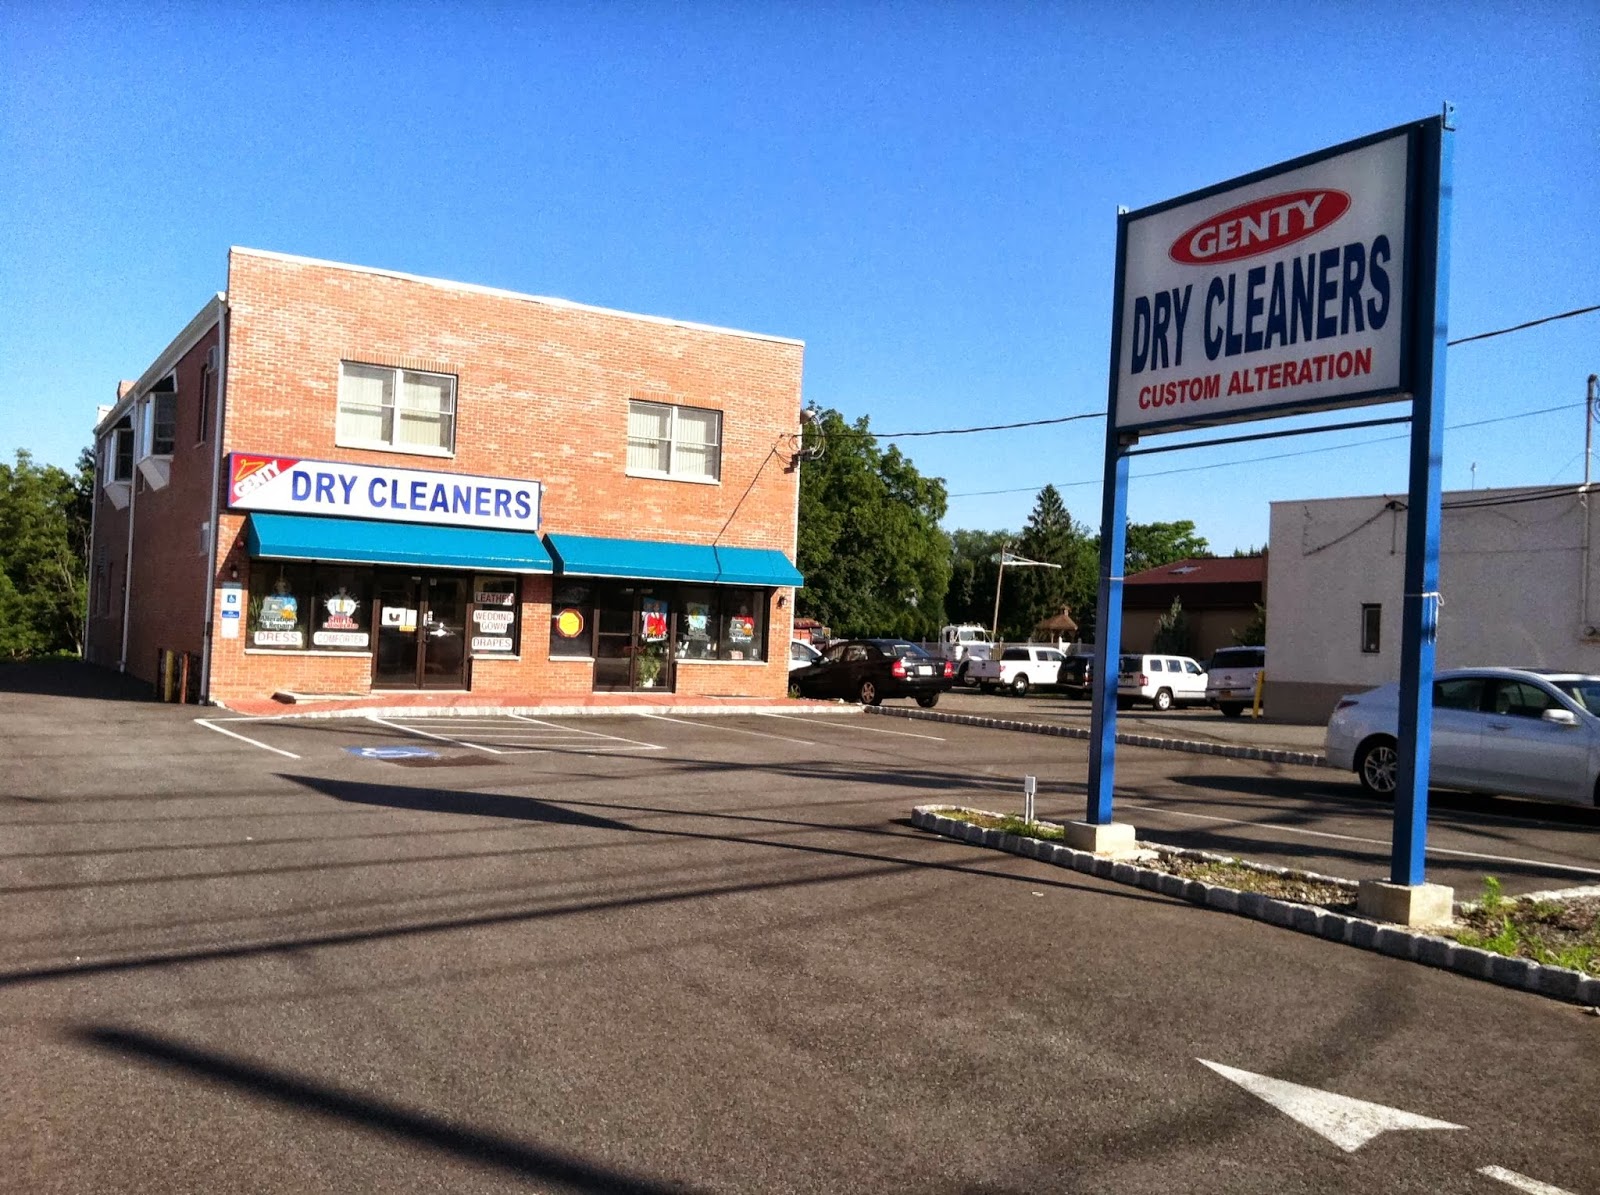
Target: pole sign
column 1281, row 292
column 291, row 485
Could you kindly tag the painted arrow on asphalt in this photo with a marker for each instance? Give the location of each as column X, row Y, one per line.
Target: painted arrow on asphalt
column 1348, row 1123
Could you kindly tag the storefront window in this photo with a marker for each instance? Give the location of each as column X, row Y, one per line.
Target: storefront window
column 280, row 599
column 744, row 625
column 697, row 625
column 571, row 609
column 322, row 607
column 342, row 620
column 494, row 616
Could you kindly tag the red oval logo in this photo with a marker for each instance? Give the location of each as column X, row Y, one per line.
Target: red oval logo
column 1259, row 226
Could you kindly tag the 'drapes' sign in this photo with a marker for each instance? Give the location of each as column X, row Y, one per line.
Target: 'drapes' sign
column 292, row 485
column 1279, row 292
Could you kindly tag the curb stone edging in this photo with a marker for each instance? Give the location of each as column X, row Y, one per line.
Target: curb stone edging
column 1430, row 950
column 1308, row 759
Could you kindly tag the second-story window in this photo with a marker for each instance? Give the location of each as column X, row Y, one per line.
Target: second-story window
column 678, row 442
column 403, row 410
column 160, row 419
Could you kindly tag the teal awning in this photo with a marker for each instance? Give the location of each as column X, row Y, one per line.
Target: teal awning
column 656, row 560
column 414, row 545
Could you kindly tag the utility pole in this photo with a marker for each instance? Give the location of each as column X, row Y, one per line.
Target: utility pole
column 1591, row 415
column 1007, row 556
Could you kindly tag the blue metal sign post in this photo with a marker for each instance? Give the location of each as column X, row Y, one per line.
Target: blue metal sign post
column 1432, row 167
column 1318, row 284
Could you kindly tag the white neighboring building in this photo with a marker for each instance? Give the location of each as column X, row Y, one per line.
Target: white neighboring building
column 1516, row 572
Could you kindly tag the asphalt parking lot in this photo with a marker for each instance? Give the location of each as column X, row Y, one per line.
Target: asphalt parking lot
column 708, row 954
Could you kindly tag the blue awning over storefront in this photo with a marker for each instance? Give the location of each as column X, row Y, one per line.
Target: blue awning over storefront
column 656, row 560
column 369, row 541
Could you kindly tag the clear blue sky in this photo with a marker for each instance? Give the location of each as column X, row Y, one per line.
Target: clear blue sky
column 924, row 193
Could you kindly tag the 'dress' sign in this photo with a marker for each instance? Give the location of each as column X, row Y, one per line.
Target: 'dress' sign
column 1280, row 292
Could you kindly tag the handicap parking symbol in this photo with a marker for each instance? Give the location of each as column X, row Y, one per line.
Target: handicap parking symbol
column 394, row 752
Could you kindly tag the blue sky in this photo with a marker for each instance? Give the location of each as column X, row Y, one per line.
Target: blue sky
column 924, row 193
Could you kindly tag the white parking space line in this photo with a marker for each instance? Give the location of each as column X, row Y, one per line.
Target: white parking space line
column 834, row 724
column 617, row 738
column 730, row 730
column 428, row 734
column 1382, row 842
column 1522, row 1182
column 210, row 725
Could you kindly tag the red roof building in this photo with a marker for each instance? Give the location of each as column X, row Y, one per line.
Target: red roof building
column 1219, row 596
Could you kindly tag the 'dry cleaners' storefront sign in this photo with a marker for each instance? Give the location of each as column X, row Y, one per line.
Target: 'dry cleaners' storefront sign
column 1283, row 293
column 292, row 485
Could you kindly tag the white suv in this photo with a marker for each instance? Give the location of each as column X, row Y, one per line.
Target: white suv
column 1232, row 675
column 1163, row 681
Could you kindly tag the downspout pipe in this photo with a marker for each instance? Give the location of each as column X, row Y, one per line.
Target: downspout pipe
column 1591, row 412
column 215, row 516
column 138, row 411
column 94, row 518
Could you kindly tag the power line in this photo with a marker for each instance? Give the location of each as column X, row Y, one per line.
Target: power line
column 1005, row 427
column 1533, row 323
column 1277, row 456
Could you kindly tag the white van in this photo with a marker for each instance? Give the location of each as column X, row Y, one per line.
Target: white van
column 1162, row 681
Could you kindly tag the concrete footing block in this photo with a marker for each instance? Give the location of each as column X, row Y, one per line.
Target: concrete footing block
column 1110, row 840
column 1405, row 904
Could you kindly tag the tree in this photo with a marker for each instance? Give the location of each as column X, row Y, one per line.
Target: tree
column 1054, row 536
column 1150, row 545
column 870, row 547
column 1254, row 633
column 1172, row 631
column 44, row 543
column 973, row 556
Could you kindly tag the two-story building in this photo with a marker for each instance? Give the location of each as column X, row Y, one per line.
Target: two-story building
column 338, row 480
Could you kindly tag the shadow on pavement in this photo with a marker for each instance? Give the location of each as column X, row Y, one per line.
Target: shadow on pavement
column 566, row 1171
column 72, row 678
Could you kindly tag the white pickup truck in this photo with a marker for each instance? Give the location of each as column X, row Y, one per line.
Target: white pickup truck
column 1018, row 669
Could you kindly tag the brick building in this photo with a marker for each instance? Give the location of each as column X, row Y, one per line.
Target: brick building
column 340, row 479
column 1219, row 596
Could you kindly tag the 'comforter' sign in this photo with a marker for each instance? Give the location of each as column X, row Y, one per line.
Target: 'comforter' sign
column 291, row 485
column 1280, row 292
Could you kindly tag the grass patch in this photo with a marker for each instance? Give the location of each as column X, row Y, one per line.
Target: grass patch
column 1563, row 933
column 1246, row 877
column 1011, row 823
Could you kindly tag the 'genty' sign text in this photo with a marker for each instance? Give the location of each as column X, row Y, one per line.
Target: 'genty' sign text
column 1284, row 290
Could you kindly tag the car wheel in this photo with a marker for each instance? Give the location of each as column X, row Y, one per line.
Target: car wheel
column 928, row 700
column 794, row 690
column 869, row 693
column 1019, row 686
column 1163, row 699
column 961, row 673
column 1377, row 765
column 1231, row 711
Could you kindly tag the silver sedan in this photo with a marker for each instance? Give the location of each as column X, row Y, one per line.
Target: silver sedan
column 1528, row 732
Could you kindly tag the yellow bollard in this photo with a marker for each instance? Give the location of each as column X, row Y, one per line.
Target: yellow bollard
column 1255, row 706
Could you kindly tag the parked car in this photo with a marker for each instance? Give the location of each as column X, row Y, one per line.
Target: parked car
column 1523, row 731
column 1231, row 676
column 1076, row 677
column 802, row 653
column 1162, row 681
column 1017, row 670
column 868, row 670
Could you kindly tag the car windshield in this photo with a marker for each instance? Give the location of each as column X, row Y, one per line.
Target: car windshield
column 1236, row 659
column 1585, row 691
column 1014, row 653
column 903, row 651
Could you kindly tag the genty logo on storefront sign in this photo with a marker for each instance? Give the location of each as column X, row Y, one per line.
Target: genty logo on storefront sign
column 1281, row 293
column 292, row 485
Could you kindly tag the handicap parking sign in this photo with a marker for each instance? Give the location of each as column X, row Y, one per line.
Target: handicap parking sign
column 393, row 752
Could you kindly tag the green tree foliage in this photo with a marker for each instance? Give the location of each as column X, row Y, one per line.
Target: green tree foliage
column 1254, row 632
column 972, row 574
column 44, row 539
column 1153, row 544
column 1053, row 536
column 1172, row 631
column 870, row 547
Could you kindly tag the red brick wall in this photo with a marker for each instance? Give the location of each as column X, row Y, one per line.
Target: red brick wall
column 166, row 605
column 542, row 392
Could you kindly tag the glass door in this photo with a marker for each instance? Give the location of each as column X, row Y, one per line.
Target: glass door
column 444, row 633
column 633, row 641
column 422, row 632
column 399, row 609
